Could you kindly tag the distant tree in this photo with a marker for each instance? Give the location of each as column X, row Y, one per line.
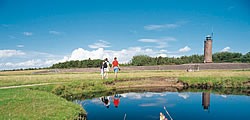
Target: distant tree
column 160, row 60
column 247, row 55
column 225, row 56
column 143, row 60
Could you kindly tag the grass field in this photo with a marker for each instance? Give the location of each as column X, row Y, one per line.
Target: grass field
column 20, row 103
column 24, row 78
column 47, row 101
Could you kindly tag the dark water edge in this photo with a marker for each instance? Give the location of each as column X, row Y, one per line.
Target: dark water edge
column 147, row 103
column 221, row 91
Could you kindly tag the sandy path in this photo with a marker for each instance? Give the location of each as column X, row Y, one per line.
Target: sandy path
column 28, row 85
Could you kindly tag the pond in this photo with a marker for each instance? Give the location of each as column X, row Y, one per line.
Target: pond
column 180, row 106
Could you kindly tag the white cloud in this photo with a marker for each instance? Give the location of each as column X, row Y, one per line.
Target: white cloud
column 39, row 59
column 161, row 43
column 225, row 49
column 37, row 62
column 185, row 49
column 159, row 27
column 20, row 46
column 10, row 53
column 163, row 51
column 81, row 54
column 124, row 55
column 148, row 40
column 54, row 32
column 30, row 63
column 148, row 50
column 100, row 44
column 34, row 63
column 28, row 59
column 50, row 62
column 8, row 64
column 185, row 96
column 27, row 33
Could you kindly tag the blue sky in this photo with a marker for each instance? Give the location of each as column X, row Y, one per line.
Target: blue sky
column 40, row 33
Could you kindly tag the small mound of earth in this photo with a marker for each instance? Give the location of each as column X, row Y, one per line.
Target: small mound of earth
column 247, row 83
column 150, row 82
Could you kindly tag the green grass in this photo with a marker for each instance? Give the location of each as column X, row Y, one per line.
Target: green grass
column 24, row 79
column 50, row 101
column 46, row 88
column 217, row 82
column 79, row 89
column 11, row 79
column 21, row 103
column 242, row 70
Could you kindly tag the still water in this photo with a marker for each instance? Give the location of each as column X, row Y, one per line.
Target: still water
column 180, row 106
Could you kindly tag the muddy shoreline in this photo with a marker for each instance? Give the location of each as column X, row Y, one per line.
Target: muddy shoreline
column 149, row 82
column 162, row 82
column 159, row 89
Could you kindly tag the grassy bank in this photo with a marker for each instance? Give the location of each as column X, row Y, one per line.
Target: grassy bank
column 21, row 103
column 85, row 85
column 11, row 79
column 47, row 101
column 216, row 82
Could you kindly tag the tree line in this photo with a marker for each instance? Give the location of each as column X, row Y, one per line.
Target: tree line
column 79, row 64
column 144, row 60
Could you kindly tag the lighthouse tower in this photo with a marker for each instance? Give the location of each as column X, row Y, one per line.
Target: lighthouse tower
column 208, row 50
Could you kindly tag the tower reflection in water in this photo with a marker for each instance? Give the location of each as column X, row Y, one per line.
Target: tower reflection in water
column 205, row 100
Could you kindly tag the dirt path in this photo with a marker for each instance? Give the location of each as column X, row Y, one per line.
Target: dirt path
column 27, row 85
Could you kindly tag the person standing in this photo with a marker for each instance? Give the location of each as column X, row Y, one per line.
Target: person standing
column 115, row 66
column 101, row 67
column 105, row 68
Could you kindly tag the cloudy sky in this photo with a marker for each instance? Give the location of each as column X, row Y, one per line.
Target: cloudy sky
column 40, row 33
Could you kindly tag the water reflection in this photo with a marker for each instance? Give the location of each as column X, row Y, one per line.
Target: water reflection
column 116, row 100
column 147, row 106
column 205, row 100
column 106, row 100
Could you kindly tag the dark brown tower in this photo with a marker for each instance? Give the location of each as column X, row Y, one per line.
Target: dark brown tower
column 205, row 100
column 208, row 50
